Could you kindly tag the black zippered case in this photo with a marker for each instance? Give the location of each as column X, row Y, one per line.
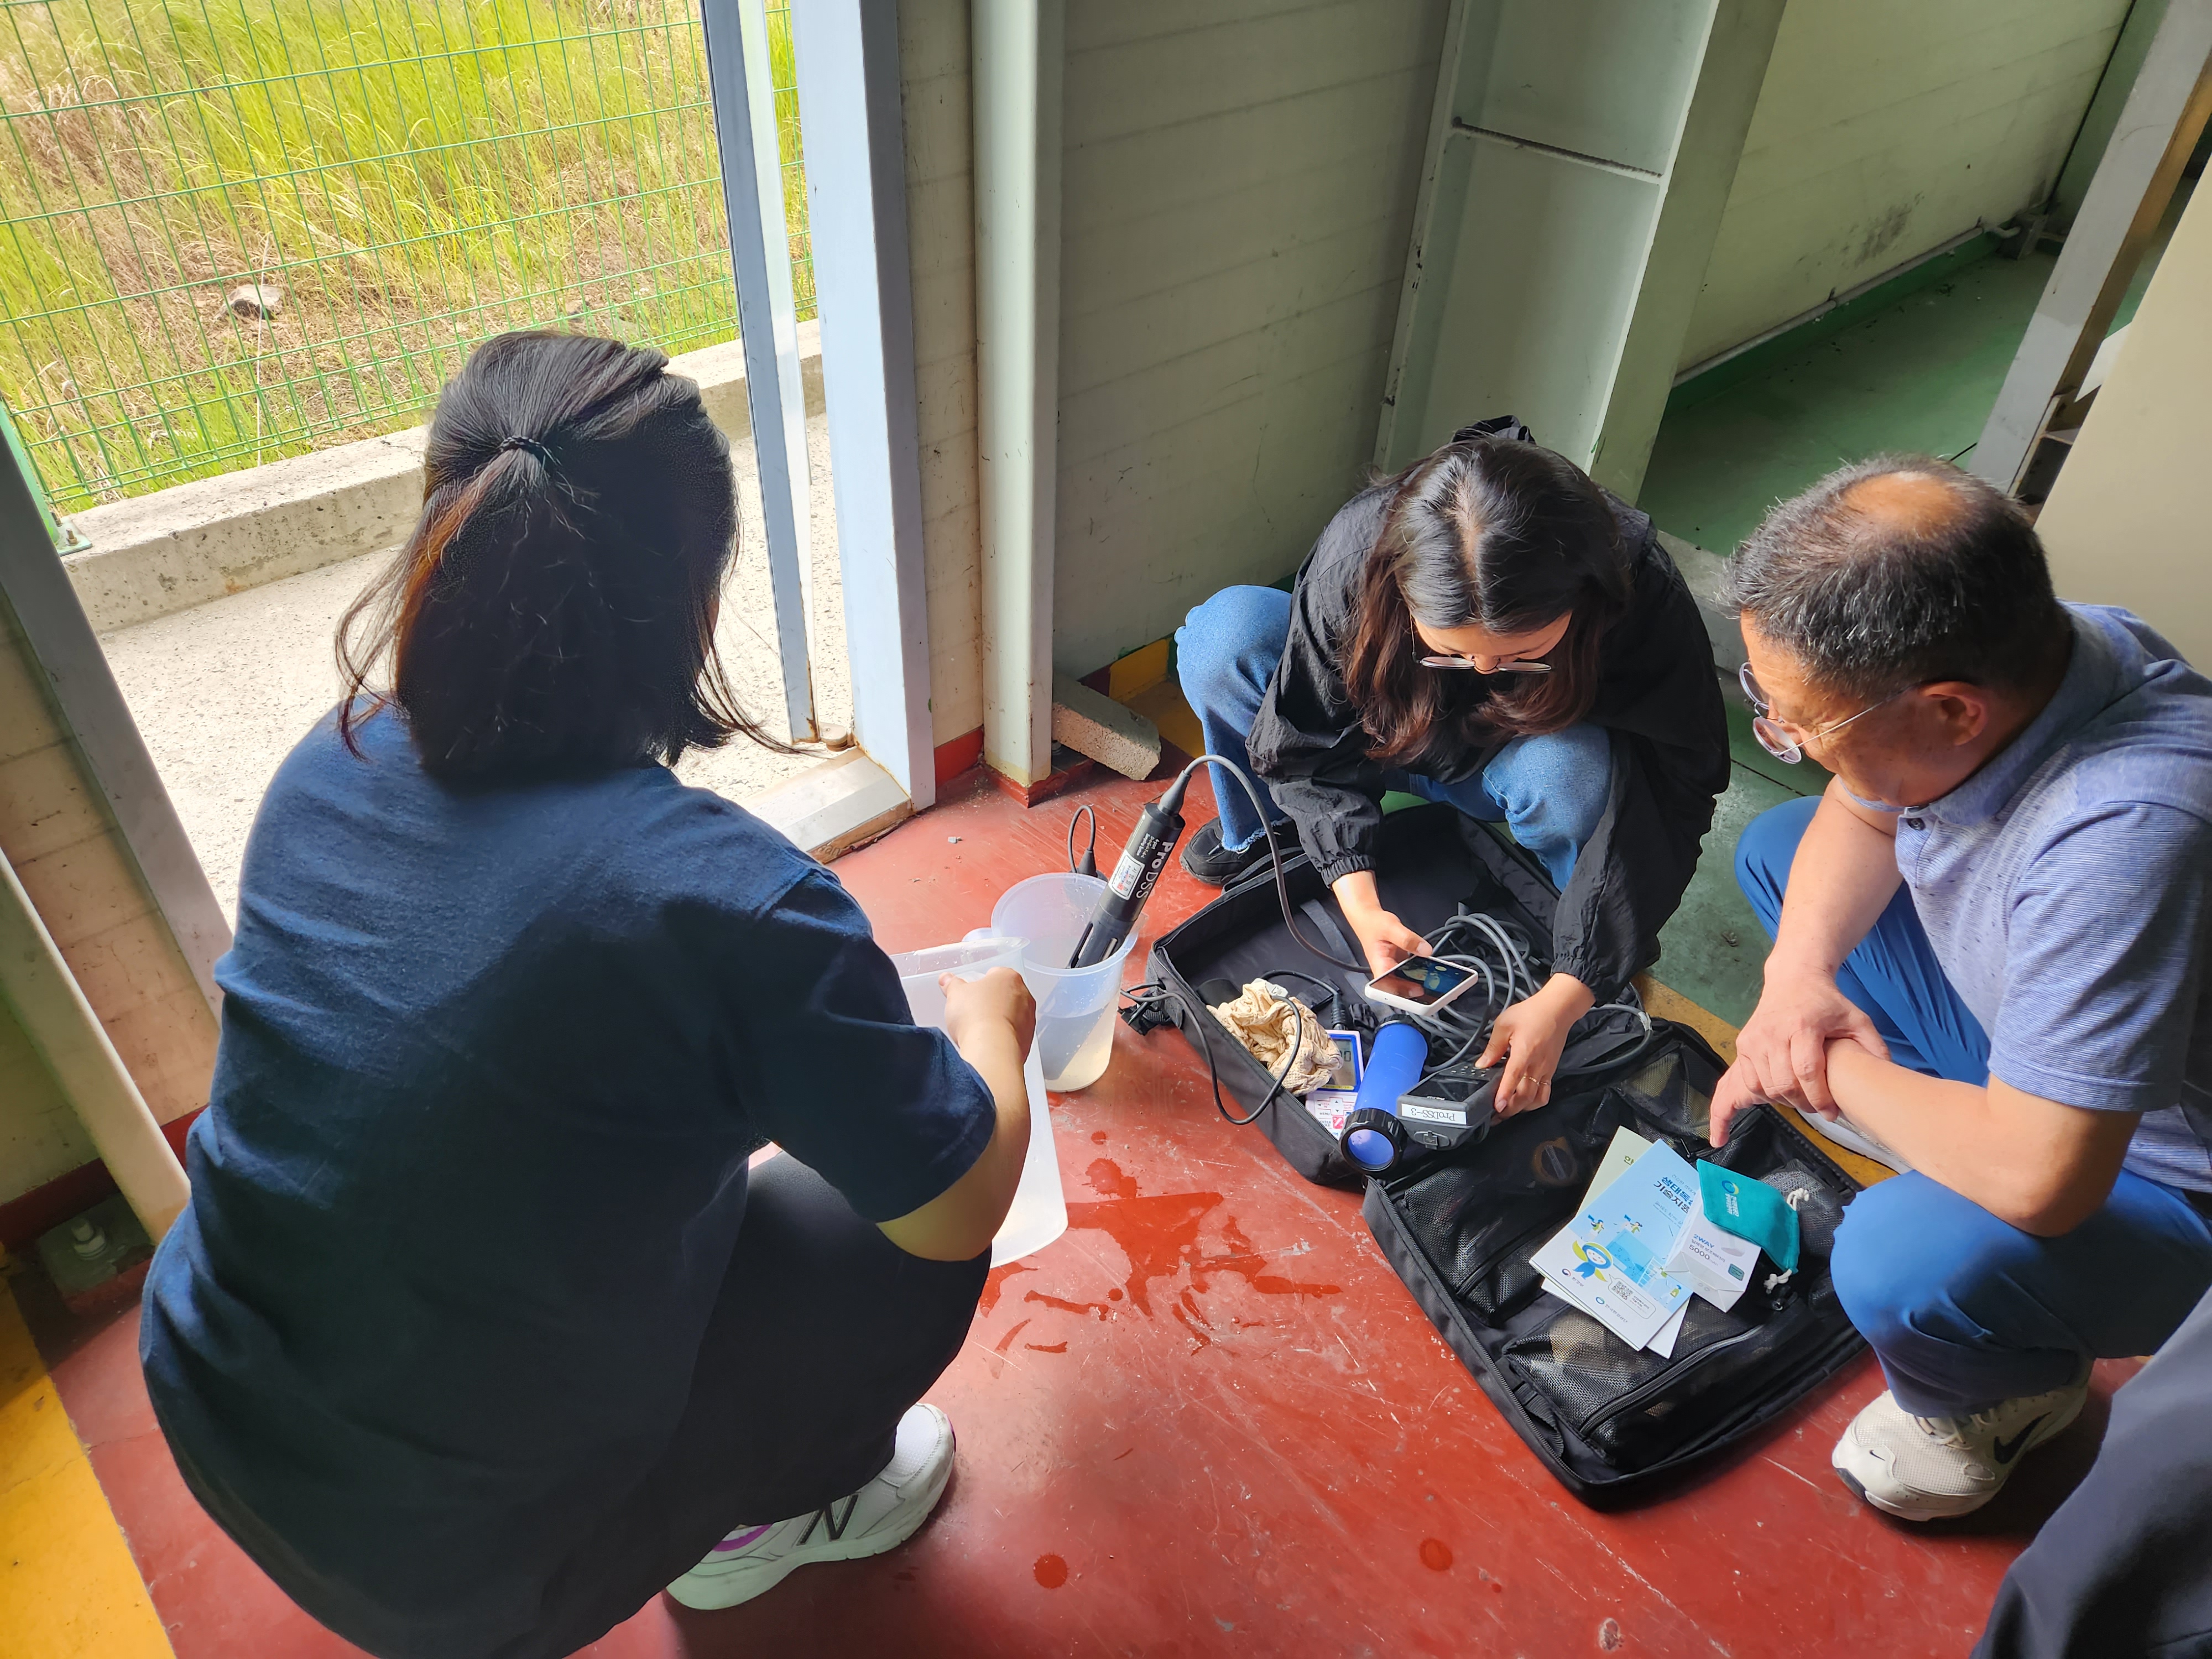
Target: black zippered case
column 1615, row 1425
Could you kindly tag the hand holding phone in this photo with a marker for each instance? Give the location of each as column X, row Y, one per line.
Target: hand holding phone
column 1383, row 939
column 1420, row 985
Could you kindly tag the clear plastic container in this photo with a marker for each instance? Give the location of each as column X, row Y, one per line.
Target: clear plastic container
column 1075, row 1005
column 1039, row 1214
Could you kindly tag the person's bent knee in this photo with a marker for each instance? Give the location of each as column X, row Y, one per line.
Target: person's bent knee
column 1557, row 785
column 1768, row 846
column 1222, row 637
column 1889, row 1259
column 1587, row 753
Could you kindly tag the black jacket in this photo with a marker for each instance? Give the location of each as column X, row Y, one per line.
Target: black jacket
column 1656, row 696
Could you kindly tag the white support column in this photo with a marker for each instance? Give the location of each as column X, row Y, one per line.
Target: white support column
column 47, row 1001
column 2158, row 128
column 1698, row 178
column 850, row 108
column 1018, row 49
column 768, row 324
column 1580, row 155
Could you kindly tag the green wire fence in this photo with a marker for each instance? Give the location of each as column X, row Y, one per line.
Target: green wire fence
column 232, row 230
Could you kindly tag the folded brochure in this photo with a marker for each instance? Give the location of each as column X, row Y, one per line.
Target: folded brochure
column 1627, row 1146
column 1613, row 1255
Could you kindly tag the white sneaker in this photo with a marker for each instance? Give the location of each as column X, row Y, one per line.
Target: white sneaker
column 1922, row 1468
column 1848, row 1135
column 882, row 1514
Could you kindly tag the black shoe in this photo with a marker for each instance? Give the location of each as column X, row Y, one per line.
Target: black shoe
column 1207, row 859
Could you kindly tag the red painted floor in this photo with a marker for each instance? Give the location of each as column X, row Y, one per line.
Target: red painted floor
column 1210, row 1421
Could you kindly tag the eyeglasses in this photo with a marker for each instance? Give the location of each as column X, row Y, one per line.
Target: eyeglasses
column 1520, row 664
column 1504, row 665
column 1773, row 735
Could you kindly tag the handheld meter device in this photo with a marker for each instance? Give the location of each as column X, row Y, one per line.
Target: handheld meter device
column 1373, row 1138
column 1404, row 1112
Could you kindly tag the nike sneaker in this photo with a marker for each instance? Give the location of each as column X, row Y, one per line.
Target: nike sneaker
column 1925, row 1468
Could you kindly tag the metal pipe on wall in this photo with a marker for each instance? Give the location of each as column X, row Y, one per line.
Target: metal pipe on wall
column 1017, row 47
column 37, row 984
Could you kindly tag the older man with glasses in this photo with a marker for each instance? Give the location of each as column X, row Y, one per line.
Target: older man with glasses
column 1992, row 935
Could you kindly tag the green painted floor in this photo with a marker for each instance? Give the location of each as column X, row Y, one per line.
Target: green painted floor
column 1712, row 949
column 1919, row 375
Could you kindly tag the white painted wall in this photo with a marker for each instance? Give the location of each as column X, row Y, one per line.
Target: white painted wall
column 1885, row 128
column 1238, row 195
column 933, row 50
column 2125, row 521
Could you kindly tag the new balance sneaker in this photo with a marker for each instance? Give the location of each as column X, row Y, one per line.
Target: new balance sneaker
column 1207, row 858
column 1923, row 1468
column 882, row 1514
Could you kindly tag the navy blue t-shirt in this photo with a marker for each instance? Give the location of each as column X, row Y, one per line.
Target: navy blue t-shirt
column 475, row 1160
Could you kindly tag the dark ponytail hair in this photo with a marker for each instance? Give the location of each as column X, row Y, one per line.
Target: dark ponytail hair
column 553, row 609
column 1490, row 533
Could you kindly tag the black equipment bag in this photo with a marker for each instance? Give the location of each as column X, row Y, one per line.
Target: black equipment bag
column 1614, row 1424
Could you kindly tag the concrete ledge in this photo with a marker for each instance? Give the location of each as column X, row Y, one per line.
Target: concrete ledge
column 154, row 555
column 839, row 805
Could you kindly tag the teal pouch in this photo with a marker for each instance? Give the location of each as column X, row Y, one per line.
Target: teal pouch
column 1751, row 1210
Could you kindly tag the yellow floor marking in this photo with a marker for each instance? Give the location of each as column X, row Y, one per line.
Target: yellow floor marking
column 68, row 1588
column 1669, row 1004
column 1162, row 704
column 1140, row 670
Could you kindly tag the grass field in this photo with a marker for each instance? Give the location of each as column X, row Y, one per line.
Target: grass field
column 414, row 175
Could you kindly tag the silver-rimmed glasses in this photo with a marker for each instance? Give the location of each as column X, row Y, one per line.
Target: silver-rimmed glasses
column 1773, row 735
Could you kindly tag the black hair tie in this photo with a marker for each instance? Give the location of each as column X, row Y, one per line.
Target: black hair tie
column 531, row 445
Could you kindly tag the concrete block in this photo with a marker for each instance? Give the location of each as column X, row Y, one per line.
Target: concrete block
column 156, row 555
column 1093, row 724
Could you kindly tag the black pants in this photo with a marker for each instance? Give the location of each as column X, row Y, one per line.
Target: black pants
column 825, row 1334
column 2124, row 1569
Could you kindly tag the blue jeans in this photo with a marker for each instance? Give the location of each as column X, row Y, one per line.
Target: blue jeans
column 1551, row 791
column 1965, row 1310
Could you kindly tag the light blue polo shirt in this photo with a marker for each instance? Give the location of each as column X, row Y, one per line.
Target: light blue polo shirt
column 2067, row 889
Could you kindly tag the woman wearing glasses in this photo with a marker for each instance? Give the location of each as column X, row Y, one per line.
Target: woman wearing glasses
column 1489, row 629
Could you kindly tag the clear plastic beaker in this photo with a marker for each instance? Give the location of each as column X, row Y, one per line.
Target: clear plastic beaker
column 1039, row 1214
column 1075, row 1005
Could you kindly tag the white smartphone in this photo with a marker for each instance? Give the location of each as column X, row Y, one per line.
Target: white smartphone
column 1419, row 985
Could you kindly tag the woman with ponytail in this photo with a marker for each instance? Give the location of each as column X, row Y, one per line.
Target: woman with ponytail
column 1490, row 628
column 478, row 1329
